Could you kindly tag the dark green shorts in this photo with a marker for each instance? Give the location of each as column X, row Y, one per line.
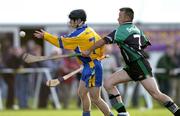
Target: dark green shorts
column 139, row 70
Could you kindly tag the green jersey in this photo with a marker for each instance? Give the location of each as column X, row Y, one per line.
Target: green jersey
column 131, row 41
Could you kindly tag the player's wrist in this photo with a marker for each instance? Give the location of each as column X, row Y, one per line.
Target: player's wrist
column 45, row 35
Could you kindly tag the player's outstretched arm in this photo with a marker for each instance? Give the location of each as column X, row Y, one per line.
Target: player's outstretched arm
column 98, row 44
column 47, row 36
column 39, row 34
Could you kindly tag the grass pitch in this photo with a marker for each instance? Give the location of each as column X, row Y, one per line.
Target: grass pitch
column 77, row 112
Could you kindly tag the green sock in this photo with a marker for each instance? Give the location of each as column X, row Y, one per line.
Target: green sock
column 171, row 106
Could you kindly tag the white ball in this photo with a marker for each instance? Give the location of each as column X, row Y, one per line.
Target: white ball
column 22, row 34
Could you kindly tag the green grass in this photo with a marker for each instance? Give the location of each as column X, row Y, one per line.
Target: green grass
column 77, row 112
column 157, row 110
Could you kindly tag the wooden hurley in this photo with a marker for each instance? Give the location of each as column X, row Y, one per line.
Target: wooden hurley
column 29, row 58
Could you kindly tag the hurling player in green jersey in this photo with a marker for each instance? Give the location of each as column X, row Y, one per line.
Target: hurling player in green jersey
column 132, row 43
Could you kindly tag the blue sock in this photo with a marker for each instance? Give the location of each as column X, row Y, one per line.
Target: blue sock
column 86, row 113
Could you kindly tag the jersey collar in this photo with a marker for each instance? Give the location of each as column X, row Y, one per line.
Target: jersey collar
column 82, row 26
column 126, row 23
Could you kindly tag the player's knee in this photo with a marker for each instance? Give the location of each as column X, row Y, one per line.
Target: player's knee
column 95, row 100
column 94, row 97
column 107, row 85
column 81, row 94
column 78, row 92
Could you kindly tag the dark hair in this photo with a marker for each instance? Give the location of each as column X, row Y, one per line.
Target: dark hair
column 129, row 12
column 78, row 14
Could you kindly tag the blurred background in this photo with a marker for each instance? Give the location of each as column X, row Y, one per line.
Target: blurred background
column 22, row 86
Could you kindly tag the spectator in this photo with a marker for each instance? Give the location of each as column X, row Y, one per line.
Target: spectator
column 22, row 82
column 11, row 59
column 167, row 63
column 69, row 65
column 176, row 80
column 53, row 66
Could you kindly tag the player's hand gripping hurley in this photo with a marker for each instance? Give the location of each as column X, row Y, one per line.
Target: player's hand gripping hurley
column 55, row 82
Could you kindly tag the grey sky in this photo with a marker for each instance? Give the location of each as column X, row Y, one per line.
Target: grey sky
column 98, row 11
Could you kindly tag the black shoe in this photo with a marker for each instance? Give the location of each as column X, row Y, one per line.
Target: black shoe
column 177, row 113
column 123, row 114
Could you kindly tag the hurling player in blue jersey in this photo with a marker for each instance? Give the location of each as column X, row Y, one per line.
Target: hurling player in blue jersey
column 82, row 38
column 132, row 42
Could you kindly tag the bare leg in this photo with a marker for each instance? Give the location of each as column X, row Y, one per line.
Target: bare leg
column 113, row 80
column 85, row 99
column 151, row 86
column 98, row 101
column 114, row 95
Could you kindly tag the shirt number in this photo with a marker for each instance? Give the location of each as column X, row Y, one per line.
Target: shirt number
column 139, row 40
column 92, row 40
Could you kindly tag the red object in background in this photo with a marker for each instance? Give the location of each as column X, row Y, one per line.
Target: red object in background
column 69, row 65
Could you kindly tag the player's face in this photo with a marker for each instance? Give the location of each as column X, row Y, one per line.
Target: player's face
column 73, row 23
column 122, row 17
